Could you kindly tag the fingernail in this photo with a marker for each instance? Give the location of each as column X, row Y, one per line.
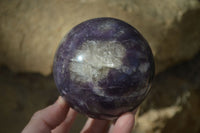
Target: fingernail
column 61, row 101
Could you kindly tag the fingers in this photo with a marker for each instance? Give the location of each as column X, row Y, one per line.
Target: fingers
column 124, row 124
column 44, row 121
column 47, row 119
column 95, row 126
column 65, row 126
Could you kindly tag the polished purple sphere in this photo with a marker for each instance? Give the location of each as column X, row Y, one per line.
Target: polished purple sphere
column 103, row 68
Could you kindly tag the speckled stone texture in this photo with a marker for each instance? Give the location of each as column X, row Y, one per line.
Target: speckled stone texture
column 103, row 68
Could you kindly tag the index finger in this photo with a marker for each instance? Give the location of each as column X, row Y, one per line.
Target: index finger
column 47, row 119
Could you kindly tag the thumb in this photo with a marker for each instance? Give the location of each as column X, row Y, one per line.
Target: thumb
column 45, row 120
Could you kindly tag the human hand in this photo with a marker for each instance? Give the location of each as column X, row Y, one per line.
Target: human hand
column 58, row 118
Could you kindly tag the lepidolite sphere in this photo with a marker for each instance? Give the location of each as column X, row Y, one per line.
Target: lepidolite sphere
column 103, row 68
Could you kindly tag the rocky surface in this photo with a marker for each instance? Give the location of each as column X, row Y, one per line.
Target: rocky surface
column 174, row 102
column 30, row 31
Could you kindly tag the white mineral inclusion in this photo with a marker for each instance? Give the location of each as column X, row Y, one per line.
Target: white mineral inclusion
column 94, row 59
column 106, row 26
column 144, row 67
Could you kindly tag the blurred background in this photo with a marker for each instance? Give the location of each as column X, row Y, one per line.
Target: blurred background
column 30, row 31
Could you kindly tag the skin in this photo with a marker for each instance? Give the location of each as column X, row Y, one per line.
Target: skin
column 59, row 117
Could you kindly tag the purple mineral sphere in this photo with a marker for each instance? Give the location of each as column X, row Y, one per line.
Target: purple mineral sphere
column 103, row 68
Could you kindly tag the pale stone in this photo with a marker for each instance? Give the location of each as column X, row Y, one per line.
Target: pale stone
column 30, row 31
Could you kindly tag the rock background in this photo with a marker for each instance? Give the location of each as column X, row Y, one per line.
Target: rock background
column 30, row 32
